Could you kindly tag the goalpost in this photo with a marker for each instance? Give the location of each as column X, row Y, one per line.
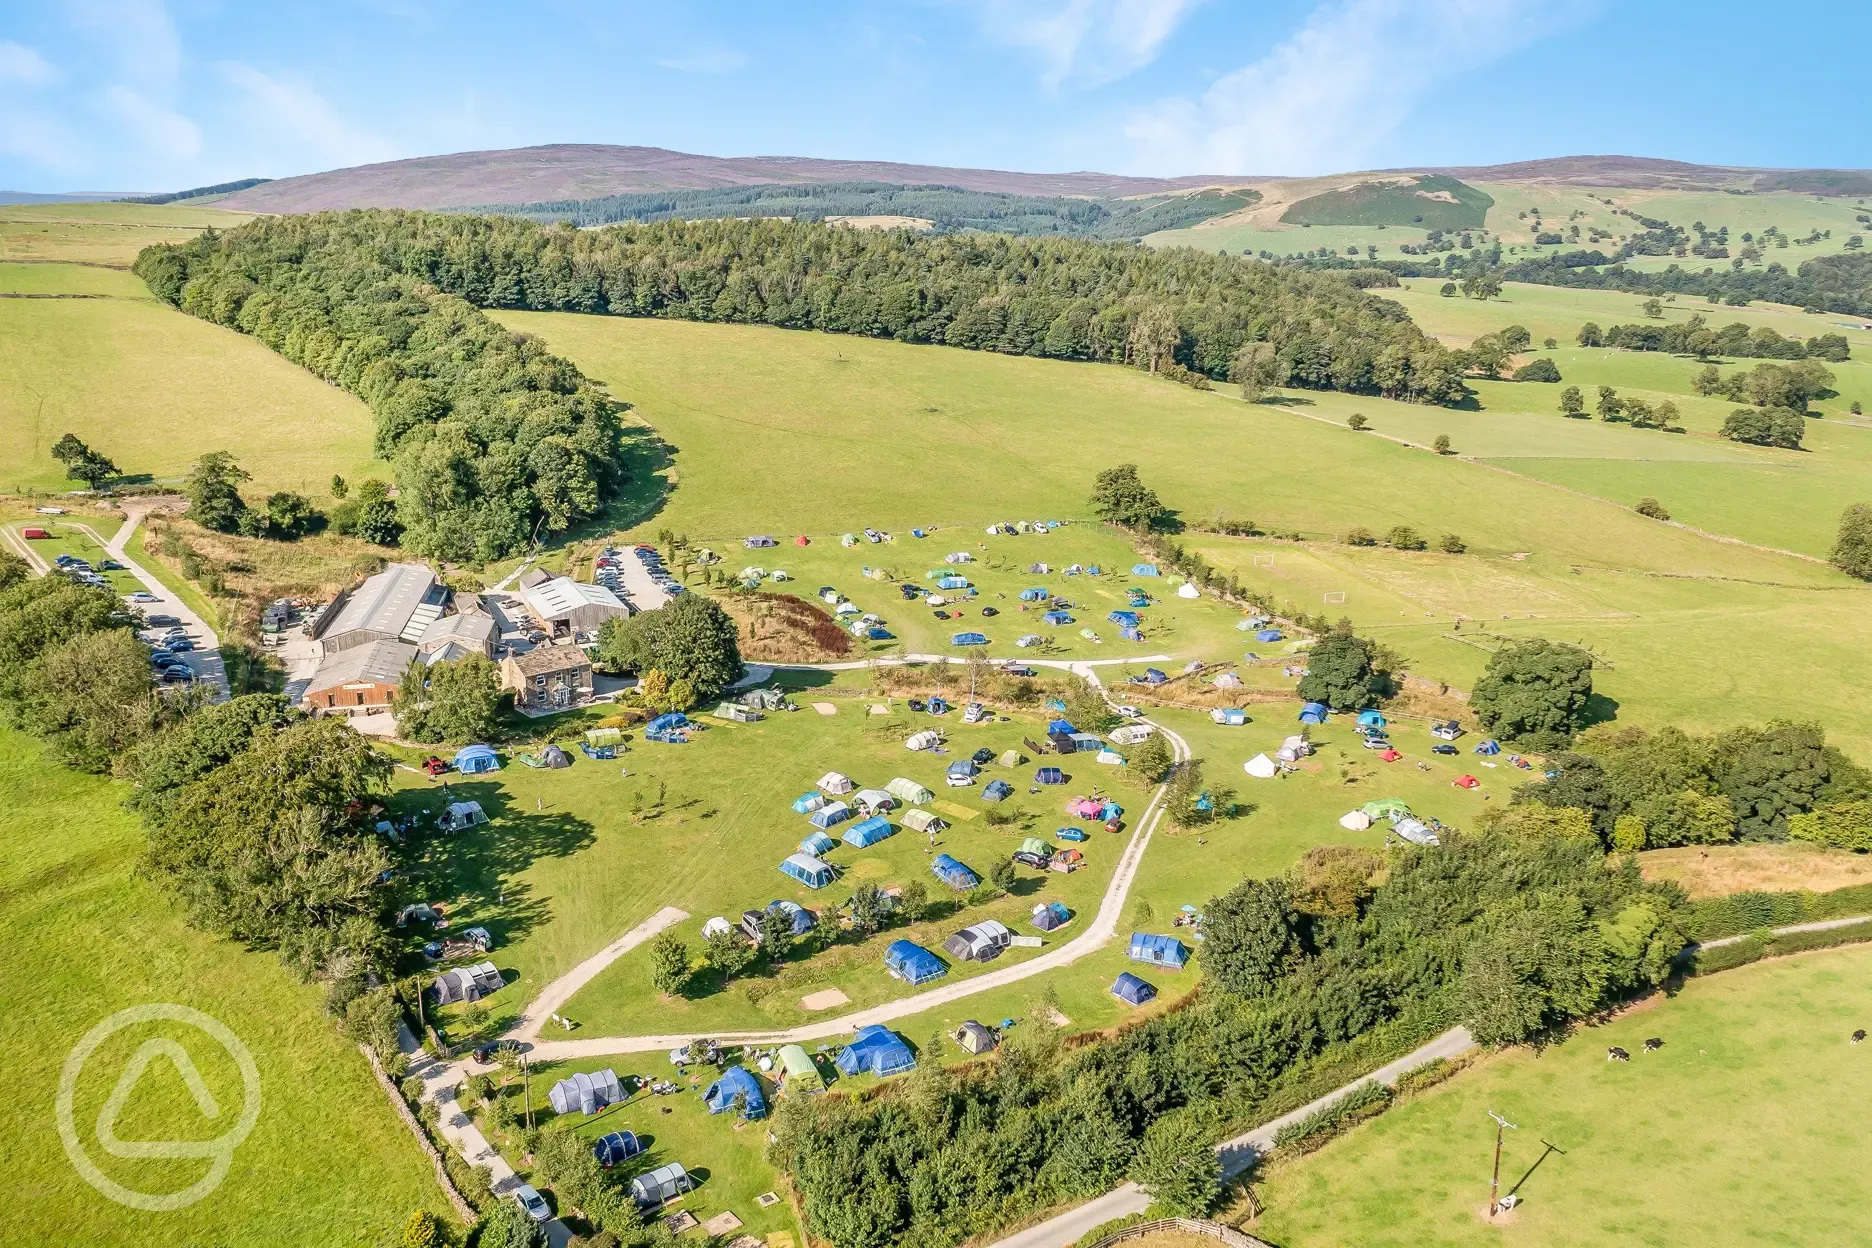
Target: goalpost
column 1334, row 596
column 1264, row 561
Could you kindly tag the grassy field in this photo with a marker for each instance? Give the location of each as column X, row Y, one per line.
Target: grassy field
column 102, row 234
column 68, row 539
column 1719, row 870
column 47, row 278
column 86, row 935
column 1742, row 1129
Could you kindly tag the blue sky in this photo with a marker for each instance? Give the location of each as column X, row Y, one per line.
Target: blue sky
column 164, row 94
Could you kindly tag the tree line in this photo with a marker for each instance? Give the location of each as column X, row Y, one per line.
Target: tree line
column 1696, row 337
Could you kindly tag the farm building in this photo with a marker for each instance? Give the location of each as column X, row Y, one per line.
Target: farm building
column 397, row 604
column 548, row 678
column 808, row 870
column 586, row 1094
column 472, row 760
column 875, row 1050
column 869, row 832
column 1051, row 914
column 836, row 783
column 830, row 815
column 663, row 1183
column 909, row 792
column 1131, row 990
column 923, row 821
column 953, row 873
column 616, row 1148
column 459, row 815
column 912, row 963
column 982, row 942
column 565, row 607
column 467, row 983
column 736, row 1084
column 1165, row 951
column 456, row 636
column 801, row 1074
column 975, row 1038
column 359, row 679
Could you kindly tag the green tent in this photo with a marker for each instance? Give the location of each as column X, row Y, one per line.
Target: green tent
column 801, row 1074
column 1387, row 808
column 1034, row 845
column 596, row 737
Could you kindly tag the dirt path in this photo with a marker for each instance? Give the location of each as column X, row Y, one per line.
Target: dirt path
column 561, row 990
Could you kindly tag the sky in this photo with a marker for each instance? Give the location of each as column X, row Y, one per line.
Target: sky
column 159, row 95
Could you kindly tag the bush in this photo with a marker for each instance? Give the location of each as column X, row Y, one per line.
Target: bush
column 1452, row 544
column 1650, row 507
column 1852, row 550
column 1537, row 370
column 1360, row 537
column 1403, row 537
column 1355, row 421
column 1442, row 444
column 1836, row 825
column 1367, row 1100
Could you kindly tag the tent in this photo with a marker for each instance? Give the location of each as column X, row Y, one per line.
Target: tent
column 1127, row 618
column 997, row 790
column 663, row 723
column 597, row 738
column 1261, row 767
column 835, row 783
column 1466, row 781
column 969, row 639
column 1314, row 713
column 1036, row 594
column 716, row 927
column 953, row 582
column 808, row 870
column 1227, row 680
column 1034, row 845
column 1143, row 569
column 875, row 1050
column 923, row 821
column 869, row 832
column 1056, row 618
column 1130, row 634
column 663, row 1183
column 586, row 1094
column 818, row 843
column 1152, row 676
column 936, row 706
column 912, row 963
column 1051, row 914
column 953, row 873
column 1164, row 951
column 473, row 760
column 909, row 792
column 1416, row 831
column 964, row 767
column 928, row 739
column 1371, row 719
column 553, row 756
column 1131, row 734
column 1488, row 747
column 1110, row 810
column 461, row 815
column 1049, row 775
column 1109, row 757
column 617, row 1147
column 1085, row 808
column 736, row 1082
column 1387, row 808
column 1131, row 990
column 800, row 920
column 1188, row 590
column 871, row 801
column 801, row 1074
column 806, row 803
column 758, row 543
column 1298, row 744
column 975, row 1038
column 1232, row 717
column 467, row 983
column 1355, row 821
column 1269, row 635
column 1060, row 725
column 1390, row 756
column 830, row 815
column 1011, row 758
column 982, row 942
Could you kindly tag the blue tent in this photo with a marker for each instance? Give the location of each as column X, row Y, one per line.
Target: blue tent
column 1164, row 951
column 1038, row 593
column 868, row 832
column 619, row 1146
column 808, row 870
column 1370, row 719
column 1056, row 617
column 1049, row 775
column 1131, row 990
column 806, row 803
column 1054, row 704
column 1130, row 634
column 953, row 582
column 1314, row 713
column 875, row 1050
column 953, row 873
column 1488, row 747
column 1269, row 634
column 816, row 844
column 936, row 706
column 736, row 1081
column 830, row 816
column 1061, row 725
column 1138, row 597
column 1143, row 569
column 1111, row 811
column 472, row 760
column 1127, row 618
column 963, row 767
column 912, row 963
column 663, row 723
column 1154, row 676
column 799, row 919
column 1051, row 915
column 997, row 790
column 969, row 639
column 1233, row 717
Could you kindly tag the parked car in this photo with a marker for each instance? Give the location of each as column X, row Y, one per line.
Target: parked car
column 1377, row 743
column 111, row 565
column 532, row 1203
column 179, row 644
column 1444, row 748
column 984, row 756
column 142, row 595
column 157, row 621
column 435, row 766
column 177, row 675
column 1129, row 712
column 1028, row 859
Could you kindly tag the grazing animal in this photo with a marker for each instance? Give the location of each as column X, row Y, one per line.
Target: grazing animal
column 1653, row 1045
column 1616, row 1054
column 1859, row 1035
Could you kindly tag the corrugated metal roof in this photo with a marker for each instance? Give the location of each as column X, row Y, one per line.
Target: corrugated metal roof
column 561, row 596
column 385, row 602
column 380, row 662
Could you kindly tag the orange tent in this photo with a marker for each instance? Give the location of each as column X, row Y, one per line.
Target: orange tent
column 1390, row 756
column 800, row 540
column 1466, row 782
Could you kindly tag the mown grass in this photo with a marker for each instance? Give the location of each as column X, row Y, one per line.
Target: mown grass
column 1742, row 1129
column 70, row 279
column 87, row 935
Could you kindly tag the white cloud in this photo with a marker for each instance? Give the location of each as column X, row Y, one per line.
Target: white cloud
column 21, row 66
column 1085, row 42
column 168, row 133
column 706, row 61
column 1326, row 98
column 293, row 110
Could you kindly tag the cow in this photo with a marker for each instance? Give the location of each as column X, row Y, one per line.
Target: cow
column 1616, row 1054
column 1859, row 1035
column 1653, row 1045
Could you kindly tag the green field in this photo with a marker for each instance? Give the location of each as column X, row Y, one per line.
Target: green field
column 67, row 539
column 101, row 234
column 1743, row 1129
column 86, row 935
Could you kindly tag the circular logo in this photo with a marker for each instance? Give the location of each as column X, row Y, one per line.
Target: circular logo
column 219, row 1151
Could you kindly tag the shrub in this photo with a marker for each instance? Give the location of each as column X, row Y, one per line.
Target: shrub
column 1403, row 537
column 1355, row 421
column 1836, row 825
column 1650, row 507
column 1442, row 444
column 1452, row 544
column 1360, row 537
column 1537, row 370
column 1852, row 550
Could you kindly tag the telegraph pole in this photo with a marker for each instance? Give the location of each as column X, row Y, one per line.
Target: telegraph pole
column 1502, row 1126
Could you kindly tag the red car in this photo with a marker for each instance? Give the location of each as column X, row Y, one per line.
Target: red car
column 434, row 766
column 1114, row 826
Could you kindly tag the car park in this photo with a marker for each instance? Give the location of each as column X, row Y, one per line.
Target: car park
column 179, row 644
column 142, row 595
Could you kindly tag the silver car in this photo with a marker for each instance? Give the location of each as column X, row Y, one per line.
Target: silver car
column 532, row 1203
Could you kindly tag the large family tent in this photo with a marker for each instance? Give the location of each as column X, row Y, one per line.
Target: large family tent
column 1085, row 808
column 599, row 737
column 1165, row 951
column 616, row 1148
column 1143, row 569
column 586, row 1094
column 912, row 963
column 1060, row 726
column 997, row 790
column 1085, row 742
column 665, row 723
column 983, row 942
column 1370, row 719
column 1127, row 618
column 736, row 1082
column 1231, row 717
column 953, row 582
column 663, row 1183
column 1049, row 775
column 969, row 639
column 1390, row 808
column 928, row 739
column 868, row 832
column 836, row 783
column 806, row 803
column 1056, row 618
column 953, row 873
column 1355, row 821
column 467, row 983
column 1314, row 713
column 818, row 843
column 472, row 760
column 830, row 815
column 1489, row 748
column 1034, row 845
column 808, row 870
column 909, row 792
column 923, row 821
column 1269, row 635
column 975, row 1038
column 461, row 815
column 875, row 1050
column 1416, row 831
column 966, row 768
column 1036, row 594
column 800, row 920
column 872, row 801
column 1051, row 914
column 801, row 1074
column 1261, row 767
column 554, row 757
column 1131, row 990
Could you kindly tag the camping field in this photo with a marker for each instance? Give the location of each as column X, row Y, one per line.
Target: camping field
column 1744, row 1128
column 86, row 935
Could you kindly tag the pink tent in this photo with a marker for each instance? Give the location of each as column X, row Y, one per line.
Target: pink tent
column 1084, row 808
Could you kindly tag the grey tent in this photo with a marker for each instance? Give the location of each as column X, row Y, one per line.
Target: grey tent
column 586, row 1094
column 467, row 983
column 661, row 1184
column 553, row 756
column 974, row 1037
